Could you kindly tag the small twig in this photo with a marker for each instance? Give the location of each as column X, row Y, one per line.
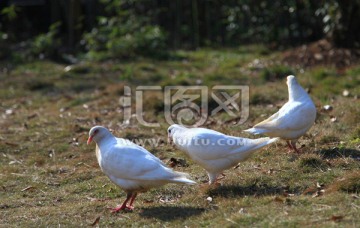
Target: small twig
column 20, row 174
column 233, row 222
column 83, row 163
column 122, row 215
column 27, row 188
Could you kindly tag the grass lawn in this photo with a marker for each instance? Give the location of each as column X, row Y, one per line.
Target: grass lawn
column 50, row 177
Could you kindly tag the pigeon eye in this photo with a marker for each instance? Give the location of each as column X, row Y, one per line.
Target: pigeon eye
column 96, row 131
column 169, row 131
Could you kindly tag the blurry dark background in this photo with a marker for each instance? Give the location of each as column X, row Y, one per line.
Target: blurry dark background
column 127, row 28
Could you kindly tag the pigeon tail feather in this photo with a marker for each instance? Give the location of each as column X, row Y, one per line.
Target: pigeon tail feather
column 264, row 141
column 255, row 131
column 182, row 178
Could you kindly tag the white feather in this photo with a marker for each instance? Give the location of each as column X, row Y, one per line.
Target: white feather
column 132, row 167
column 293, row 119
column 212, row 150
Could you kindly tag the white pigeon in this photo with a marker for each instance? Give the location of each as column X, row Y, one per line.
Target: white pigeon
column 212, row 150
column 130, row 166
column 293, row 119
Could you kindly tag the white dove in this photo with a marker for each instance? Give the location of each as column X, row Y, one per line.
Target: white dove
column 212, row 150
column 130, row 166
column 293, row 119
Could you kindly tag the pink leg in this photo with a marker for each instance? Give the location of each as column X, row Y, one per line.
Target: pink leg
column 132, row 200
column 293, row 144
column 214, row 178
column 289, row 145
column 216, row 183
column 123, row 206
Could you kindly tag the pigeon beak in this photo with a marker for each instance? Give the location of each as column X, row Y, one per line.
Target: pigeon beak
column 170, row 140
column 90, row 139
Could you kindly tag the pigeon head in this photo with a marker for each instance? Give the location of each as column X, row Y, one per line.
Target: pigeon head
column 172, row 129
column 295, row 90
column 97, row 133
column 291, row 78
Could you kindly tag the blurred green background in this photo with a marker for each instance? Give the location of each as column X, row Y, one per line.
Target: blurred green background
column 101, row 29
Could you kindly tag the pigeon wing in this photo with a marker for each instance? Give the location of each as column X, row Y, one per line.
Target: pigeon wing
column 291, row 117
column 207, row 145
column 135, row 163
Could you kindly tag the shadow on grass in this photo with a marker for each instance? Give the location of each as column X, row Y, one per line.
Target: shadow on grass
column 229, row 191
column 338, row 152
column 169, row 213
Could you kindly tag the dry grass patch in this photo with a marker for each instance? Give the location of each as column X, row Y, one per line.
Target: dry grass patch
column 349, row 183
column 50, row 177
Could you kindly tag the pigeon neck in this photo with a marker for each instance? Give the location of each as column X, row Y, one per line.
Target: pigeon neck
column 106, row 140
column 296, row 92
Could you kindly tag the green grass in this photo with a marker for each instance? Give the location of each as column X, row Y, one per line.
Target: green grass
column 50, row 177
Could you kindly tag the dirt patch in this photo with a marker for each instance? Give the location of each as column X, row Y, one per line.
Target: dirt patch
column 323, row 53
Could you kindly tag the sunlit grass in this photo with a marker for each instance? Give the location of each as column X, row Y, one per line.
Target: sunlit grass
column 50, row 177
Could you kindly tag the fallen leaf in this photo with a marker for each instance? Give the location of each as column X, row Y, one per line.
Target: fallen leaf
column 148, row 201
column 13, row 162
column 96, row 199
column 333, row 119
column 355, row 196
column 257, row 167
column 327, row 108
column 174, row 162
column 166, row 199
column 91, row 198
column 57, row 199
column 9, row 111
column 346, row 93
column 4, row 206
column 271, row 171
column 318, row 193
column 32, row 116
column 63, row 109
column 232, row 121
column 95, row 222
column 209, row 199
column 11, row 144
column 286, row 191
column 278, row 199
column 318, row 56
column 320, row 190
column 337, row 218
column 242, row 211
column 68, row 68
column 318, row 185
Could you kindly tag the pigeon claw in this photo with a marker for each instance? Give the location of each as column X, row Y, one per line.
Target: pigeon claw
column 121, row 208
